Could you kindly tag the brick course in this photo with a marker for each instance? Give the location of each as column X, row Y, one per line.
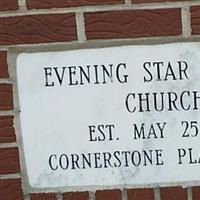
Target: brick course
column 195, row 20
column 3, row 65
column 9, row 160
column 6, row 97
column 43, row 196
column 25, row 29
column 7, row 131
column 38, row 4
column 196, row 193
column 138, row 194
column 133, row 24
column 76, row 196
column 173, row 193
column 8, row 5
column 155, row 1
column 108, row 195
column 10, row 189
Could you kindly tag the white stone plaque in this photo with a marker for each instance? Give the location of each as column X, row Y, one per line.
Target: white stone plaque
column 127, row 115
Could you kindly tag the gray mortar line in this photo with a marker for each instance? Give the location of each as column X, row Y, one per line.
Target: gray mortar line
column 128, row 2
column 186, row 21
column 157, row 193
column 124, row 194
column 100, row 43
column 8, row 145
column 10, row 176
column 22, row 5
column 80, row 27
column 2, row 48
column 6, row 81
column 5, row 113
column 189, row 193
column 12, row 71
column 59, row 196
column 27, row 197
column 91, row 195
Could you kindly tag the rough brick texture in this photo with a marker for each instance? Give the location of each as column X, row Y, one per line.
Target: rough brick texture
column 76, row 196
column 195, row 20
column 43, row 196
column 9, row 160
column 108, row 195
column 138, row 194
column 133, row 24
column 37, row 29
column 10, row 189
column 3, row 65
column 155, row 1
column 6, row 97
column 27, row 27
column 37, row 4
column 196, row 193
column 173, row 193
column 7, row 131
column 6, row 5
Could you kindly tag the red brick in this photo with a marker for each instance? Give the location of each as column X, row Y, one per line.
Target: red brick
column 173, row 193
column 3, row 65
column 9, row 160
column 6, row 97
column 196, row 193
column 7, row 131
column 43, row 196
column 108, row 195
column 195, row 19
column 6, row 5
column 76, row 196
column 38, row 4
column 37, row 29
column 155, row 1
column 10, row 189
column 138, row 194
column 133, row 24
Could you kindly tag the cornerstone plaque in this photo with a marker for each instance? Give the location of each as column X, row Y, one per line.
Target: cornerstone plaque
column 117, row 116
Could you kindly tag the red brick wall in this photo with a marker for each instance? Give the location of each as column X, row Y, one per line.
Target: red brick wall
column 56, row 22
